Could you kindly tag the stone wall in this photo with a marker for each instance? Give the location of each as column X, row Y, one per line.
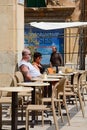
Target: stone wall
column 11, row 34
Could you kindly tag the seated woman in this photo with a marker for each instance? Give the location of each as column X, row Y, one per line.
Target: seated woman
column 37, row 62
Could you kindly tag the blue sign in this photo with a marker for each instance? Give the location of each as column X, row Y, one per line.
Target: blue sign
column 46, row 40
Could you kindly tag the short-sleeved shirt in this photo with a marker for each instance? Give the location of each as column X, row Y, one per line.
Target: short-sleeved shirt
column 32, row 70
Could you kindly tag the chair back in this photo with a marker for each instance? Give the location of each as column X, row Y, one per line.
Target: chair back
column 75, row 78
column 76, row 81
column 5, row 80
column 19, row 76
column 83, row 78
column 59, row 87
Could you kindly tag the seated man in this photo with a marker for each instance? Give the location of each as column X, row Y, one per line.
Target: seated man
column 27, row 69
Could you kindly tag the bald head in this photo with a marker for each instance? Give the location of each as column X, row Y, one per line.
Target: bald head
column 25, row 52
column 54, row 49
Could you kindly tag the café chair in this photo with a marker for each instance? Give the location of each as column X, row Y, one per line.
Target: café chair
column 83, row 85
column 43, row 108
column 60, row 92
column 5, row 97
column 19, row 78
column 77, row 90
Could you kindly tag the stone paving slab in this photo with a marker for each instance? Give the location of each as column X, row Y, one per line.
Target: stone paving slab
column 76, row 119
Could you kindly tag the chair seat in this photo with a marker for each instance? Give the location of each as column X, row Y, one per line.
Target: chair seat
column 67, row 94
column 37, row 107
column 49, row 100
column 24, row 94
column 6, row 100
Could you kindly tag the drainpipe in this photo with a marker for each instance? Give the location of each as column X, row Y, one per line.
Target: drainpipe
column 82, row 37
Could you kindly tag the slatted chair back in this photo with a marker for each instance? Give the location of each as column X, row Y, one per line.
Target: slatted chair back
column 5, row 80
column 61, row 86
column 75, row 78
column 83, row 78
column 19, row 76
column 76, row 81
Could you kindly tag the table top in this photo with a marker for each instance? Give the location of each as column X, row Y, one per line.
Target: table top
column 54, row 76
column 37, row 84
column 46, row 79
column 79, row 71
column 16, row 89
column 66, row 74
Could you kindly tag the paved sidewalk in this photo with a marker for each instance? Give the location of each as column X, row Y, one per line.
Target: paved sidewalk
column 76, row 119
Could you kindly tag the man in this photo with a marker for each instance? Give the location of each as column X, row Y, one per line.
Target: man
column 56, row 58
column 27, row 69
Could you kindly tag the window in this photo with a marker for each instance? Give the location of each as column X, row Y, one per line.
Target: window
column 36, row 3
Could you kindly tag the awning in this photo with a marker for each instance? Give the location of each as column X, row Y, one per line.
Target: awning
column 56, row 25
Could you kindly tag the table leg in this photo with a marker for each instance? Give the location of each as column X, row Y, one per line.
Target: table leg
column 33, row 112
column 34, row 119
column 14, row 111
column 0, row 116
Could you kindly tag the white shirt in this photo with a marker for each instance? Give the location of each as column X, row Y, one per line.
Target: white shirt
column 32, row 70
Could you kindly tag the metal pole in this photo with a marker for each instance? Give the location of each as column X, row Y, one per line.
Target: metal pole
column 82, row 39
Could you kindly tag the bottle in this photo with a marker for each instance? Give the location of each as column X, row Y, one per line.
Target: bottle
column 45, row 75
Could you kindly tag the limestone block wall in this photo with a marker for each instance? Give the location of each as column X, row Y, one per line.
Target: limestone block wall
column 11, row 34
column 72, row 41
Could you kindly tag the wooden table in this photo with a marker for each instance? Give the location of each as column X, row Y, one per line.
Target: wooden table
column 48, row 79
column 54, row 76
column 15, row 91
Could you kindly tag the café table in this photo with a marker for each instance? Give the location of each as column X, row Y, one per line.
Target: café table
column 34, row 85
column 54, row 76
column 47, row 79
column 15, row 90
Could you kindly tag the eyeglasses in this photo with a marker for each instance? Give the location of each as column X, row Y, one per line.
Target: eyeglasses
column 29, row 54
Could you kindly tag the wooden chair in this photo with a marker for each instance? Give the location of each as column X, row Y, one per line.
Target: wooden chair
column 76, row 90
column 5, row 97
column 19, row 77
column 60, row 91
column 43, row 107
column 83, row 84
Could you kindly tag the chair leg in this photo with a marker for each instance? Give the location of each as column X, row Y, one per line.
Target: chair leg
column 27, row 118
column 81, row 105
column 68, row 117
column 0, row 116
column 83, row 97
column 55, row 118
column 76, row 102
column 42, row 119
column 60, row 112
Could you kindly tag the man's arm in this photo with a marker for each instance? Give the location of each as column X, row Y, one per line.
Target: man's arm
column 25, row 71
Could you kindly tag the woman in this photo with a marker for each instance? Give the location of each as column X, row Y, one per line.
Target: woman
column 37, row 62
